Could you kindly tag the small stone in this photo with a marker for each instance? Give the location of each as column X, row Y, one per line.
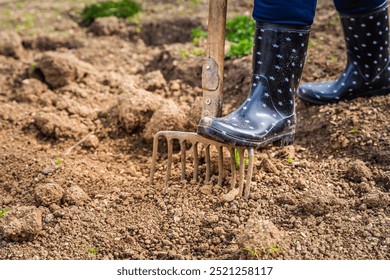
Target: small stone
column 48, row 218
column 47, row 170
column 212, row 218
column 91, row 142
column 267, row 165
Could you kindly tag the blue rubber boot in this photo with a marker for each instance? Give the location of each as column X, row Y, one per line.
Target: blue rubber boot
column 268, row 114
column 367, row 72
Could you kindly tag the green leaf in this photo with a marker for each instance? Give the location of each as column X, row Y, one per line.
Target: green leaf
column 3, row 212
column 120, row 9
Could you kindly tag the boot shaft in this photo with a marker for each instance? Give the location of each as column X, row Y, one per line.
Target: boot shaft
column 367, row 40
column 278, row 59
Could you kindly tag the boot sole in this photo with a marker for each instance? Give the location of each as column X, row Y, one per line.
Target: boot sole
column 315, row 101
column 284, row 139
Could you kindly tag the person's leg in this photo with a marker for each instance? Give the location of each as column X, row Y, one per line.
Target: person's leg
column 280, row 43
column 351, row 7
column 367, row 73
column 290, row 12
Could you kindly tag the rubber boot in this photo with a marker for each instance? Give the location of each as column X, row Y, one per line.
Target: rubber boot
column 268, row 114
column 367, row 72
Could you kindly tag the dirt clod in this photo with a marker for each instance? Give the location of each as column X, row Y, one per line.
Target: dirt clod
column 22, row 223
column 91, row 142
column 58, row 126
column 60, row 69
column 48, row 193
column 168, row 117
column 358, row 171
column 75, row 195
column 136, row 108
column 11, row 44
column 104, row 26
column 258, row 234
column 154, row 80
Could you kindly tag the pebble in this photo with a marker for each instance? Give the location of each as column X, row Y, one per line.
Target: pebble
column 47, row 170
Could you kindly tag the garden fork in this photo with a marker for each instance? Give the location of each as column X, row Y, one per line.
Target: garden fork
column 212, row 84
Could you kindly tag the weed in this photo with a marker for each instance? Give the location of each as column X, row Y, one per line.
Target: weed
column 58, row 161
column 353, row 131
column 3, row 212
column 92, row 250
column 239, row 31
column 120, row 9
column 237, row 159
column 198, row 33
column 33, row 66
column 290, row 160
column 261, row 251
column 195, row 3
column 136, row 20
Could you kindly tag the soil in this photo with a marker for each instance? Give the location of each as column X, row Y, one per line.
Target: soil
column 80, row 105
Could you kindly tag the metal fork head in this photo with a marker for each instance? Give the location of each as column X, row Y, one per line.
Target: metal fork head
column 194, row 139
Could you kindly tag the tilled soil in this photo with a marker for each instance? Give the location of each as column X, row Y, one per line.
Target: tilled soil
column 79, row 108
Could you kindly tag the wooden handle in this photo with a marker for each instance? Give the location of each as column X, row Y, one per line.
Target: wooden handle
column 212, row 70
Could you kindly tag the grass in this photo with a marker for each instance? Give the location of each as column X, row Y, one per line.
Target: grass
column 25, row 23
column 3, row 212
column 120, row 9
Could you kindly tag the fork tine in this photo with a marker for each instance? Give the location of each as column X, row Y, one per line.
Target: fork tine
column 169, row 164
column 196, row 161
column 233, row 169
column 249, row 173
column 220, row 166
column 154, row 158
column 242, row 170
column 208, row 163
column 183, row 159
column 244, row 180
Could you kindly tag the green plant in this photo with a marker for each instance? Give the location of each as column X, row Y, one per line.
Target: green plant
column 58, row 161
column 260, row 251
column 290, row 160
column 195, row 3
column 120, row 9
column 353, row 131
column 237, row 159
column 198, row 33
column 92, row 250
column 239, row 31
column 3, row 212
